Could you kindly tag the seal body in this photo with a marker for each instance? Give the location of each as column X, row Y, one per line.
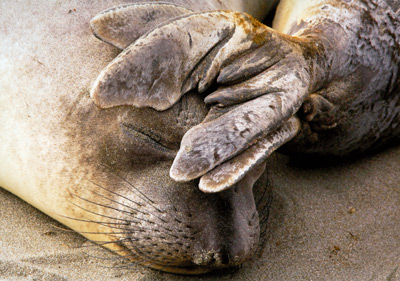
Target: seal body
column 104, row 172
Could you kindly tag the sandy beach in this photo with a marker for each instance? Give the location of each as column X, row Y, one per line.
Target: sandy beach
column 327, row 222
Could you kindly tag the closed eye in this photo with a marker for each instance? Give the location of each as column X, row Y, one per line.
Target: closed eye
column 148, row 137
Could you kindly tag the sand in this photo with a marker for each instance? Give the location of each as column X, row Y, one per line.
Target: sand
column 327, row 222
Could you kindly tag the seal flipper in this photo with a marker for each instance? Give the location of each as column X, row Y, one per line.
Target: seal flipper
column 122, row 25
column 176, row 57
column 157, row 69
column 232, row 171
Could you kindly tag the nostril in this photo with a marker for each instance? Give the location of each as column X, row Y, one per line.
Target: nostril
column 220, row 259
column 224, row 260
column 217, row 259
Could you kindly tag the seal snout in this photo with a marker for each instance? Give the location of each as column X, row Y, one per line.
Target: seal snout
column 224, row 257
column 232, row 233
column 213, row 259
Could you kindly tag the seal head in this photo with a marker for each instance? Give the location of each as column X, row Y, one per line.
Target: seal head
column 145, row 215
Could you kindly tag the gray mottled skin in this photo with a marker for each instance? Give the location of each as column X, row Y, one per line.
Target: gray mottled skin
column 359, row 90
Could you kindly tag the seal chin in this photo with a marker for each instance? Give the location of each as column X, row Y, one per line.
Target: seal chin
column 184, row 270
column 200, row 264
column 190, row 269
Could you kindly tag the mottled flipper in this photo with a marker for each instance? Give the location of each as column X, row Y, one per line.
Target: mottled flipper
column 122, row 25
column 158, row 68
column 232, row 171
column 263, row 74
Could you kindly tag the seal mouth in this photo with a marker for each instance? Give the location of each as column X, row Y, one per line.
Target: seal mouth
column 191, row 268
column 183, row 270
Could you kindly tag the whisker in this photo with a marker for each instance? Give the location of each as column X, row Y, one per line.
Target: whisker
column 106, row 224
column 62, row 228
column 102, row 242
column 145, row 198
column 112, row 192
column 129, row 221
column 121, row 258
column 265, row 190
column 127, row 230
column 97, row 222
column 264, row 219
column 126, row 257
column 151, row 202
column 116, row 257
column 121, row 266
column 121, row 242
column 97, row 214
column 136, row 249
column 136, row 263
column 118, row 267
column 105, row 206
column 175, row 209
column 262, row 234
column 161, row 219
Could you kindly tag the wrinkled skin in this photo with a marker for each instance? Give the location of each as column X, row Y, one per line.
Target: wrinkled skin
column 338, row 73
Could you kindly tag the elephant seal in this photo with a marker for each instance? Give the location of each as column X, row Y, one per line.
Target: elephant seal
column 101, row 166
column 104, row 172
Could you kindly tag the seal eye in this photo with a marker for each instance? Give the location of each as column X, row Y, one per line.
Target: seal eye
column 147, row 142
column 149, row 135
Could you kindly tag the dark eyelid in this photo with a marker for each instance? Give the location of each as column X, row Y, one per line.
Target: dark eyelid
column 147, row 135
